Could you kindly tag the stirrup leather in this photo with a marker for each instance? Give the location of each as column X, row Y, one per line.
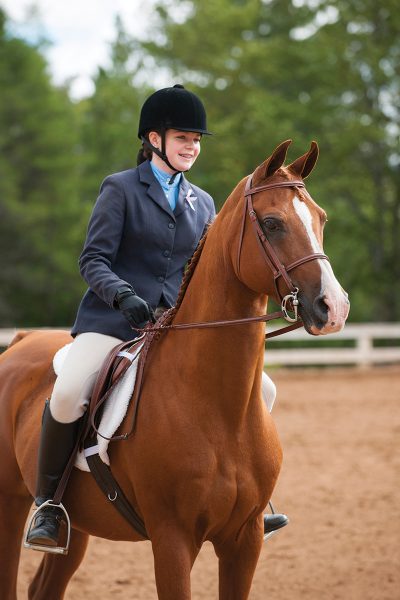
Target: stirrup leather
column 43, row 547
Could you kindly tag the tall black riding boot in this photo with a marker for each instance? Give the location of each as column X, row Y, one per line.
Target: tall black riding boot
column 56, row 445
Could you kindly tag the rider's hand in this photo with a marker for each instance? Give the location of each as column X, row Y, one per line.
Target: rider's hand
column 136, row 310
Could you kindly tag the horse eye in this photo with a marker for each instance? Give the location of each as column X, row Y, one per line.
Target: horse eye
column 271, row 224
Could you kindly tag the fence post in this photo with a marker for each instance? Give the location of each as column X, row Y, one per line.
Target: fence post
column 365, row 347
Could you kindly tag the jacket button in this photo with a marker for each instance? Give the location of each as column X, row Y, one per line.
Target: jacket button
column 161, row 278
column 166, row 253
column 171, row 225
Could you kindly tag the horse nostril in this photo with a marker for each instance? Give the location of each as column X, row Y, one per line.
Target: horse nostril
column 320, row 307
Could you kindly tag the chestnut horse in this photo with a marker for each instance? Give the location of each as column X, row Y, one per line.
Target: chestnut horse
column 205, row 455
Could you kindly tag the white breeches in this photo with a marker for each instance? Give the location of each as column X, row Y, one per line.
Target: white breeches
column 74, row 385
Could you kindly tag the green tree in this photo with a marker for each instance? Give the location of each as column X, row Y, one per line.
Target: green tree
column 38, row 194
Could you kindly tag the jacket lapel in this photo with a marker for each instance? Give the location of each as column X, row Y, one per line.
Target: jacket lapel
column 154, row 190
column 184, row 192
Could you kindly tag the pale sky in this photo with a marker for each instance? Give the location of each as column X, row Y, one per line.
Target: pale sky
column 80, row 31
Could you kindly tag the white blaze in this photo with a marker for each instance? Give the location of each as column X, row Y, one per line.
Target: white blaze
column 334, row 297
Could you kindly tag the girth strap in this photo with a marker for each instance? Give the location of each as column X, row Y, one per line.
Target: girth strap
column 112, row 490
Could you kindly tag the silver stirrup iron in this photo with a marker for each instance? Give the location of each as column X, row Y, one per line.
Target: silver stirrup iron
column 43, row 547
column 292, row 298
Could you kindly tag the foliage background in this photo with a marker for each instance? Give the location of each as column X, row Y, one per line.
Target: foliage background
column 267, row 71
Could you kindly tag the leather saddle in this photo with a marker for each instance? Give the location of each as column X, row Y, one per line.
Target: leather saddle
column 117, row 362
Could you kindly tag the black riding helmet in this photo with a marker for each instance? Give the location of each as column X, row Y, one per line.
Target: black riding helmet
column 171, row 108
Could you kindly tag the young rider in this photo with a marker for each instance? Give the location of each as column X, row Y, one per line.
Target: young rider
column 141, row 234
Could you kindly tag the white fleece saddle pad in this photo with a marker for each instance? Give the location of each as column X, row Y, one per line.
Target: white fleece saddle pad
column 115, row 406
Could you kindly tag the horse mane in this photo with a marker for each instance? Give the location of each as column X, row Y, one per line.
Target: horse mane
column 190, row 268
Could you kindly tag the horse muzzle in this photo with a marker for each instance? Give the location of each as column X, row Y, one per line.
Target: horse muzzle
column 325, row 314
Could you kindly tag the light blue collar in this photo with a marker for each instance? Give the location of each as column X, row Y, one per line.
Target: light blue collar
column 164, row 178
column 171, row 190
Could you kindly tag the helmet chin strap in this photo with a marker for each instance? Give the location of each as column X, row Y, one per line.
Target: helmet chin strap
column 163, row 154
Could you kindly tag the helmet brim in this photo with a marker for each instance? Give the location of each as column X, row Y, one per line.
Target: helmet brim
column 194, row 130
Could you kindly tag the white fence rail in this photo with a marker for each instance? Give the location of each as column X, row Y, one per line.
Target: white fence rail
column 364, row 353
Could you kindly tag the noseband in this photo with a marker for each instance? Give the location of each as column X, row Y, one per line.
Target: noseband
column 270, row 256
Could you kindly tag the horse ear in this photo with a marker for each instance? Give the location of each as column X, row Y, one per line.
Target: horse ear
column 272, row 164
column 305, row 164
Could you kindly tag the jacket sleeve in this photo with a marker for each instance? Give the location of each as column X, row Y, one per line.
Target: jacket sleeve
column 103, row 239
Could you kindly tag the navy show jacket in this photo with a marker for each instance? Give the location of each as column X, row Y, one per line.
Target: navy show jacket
column 135, row 237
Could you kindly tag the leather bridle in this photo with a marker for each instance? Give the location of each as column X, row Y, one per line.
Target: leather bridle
column 270, row 256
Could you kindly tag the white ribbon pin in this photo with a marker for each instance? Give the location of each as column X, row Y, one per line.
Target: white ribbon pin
column 190, row 199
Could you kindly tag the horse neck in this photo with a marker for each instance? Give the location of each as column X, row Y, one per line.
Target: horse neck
column 230, row 357
column 215, row 292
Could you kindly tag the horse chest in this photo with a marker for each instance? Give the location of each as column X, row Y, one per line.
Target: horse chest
column 236, row 482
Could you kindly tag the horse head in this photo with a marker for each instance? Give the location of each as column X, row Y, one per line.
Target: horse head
column 280, row 250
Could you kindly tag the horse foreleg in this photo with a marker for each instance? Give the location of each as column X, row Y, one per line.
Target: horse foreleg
column 238, row 560
column 13, row 513
column 174, row 555
column 55, row 571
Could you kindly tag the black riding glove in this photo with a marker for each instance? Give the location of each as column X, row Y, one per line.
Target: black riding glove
column 136, row 310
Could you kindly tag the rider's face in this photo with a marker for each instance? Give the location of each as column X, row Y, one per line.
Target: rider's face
column 182, row 147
